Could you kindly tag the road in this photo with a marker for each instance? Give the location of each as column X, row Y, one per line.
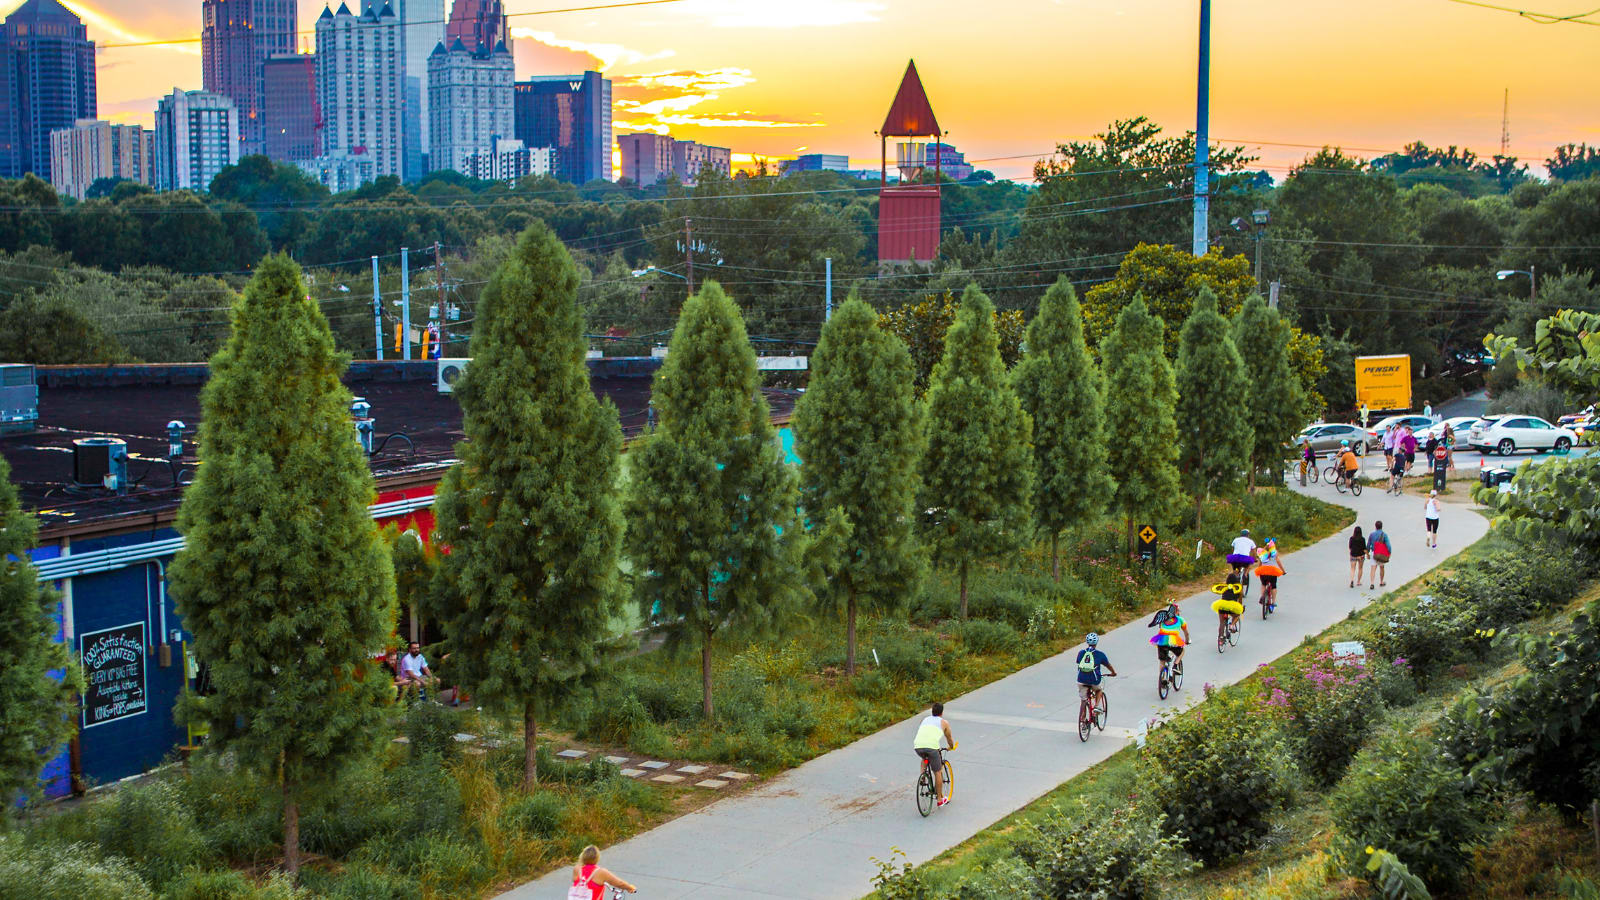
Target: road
column 810, row 833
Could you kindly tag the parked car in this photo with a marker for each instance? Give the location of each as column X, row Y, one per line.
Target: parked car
column 1583, row 424
column 1416, row 422
column 1509, row 433
column 1328, row 437
column 1460, row 424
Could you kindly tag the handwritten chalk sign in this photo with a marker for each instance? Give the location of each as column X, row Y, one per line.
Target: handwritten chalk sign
column 113, row 674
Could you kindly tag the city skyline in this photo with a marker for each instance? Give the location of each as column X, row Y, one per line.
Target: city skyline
column 777, row 82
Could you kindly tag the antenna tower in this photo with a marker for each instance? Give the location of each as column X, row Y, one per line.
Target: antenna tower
column 1505, row 125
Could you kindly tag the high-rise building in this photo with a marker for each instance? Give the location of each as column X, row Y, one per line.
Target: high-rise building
column 689, row 159
column 423, row 24
column 338, row 171
column 46, row 83
column 646, row 158
column 236, row 39
column 572, row 114
column 196, row 136
column 480, row 25
column 361, row 86
column 92, row 149
column 817, row 162
column 508, row 160
column 290, row 108
column 471, row 93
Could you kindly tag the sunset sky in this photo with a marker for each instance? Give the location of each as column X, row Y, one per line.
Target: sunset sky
column 1009, row 78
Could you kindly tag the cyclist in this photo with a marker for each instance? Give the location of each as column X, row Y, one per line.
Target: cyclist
column 932, row 735
column 1268, row 571
column 1348, row 463
column 1172, row 634
column 1090, row 661
column 1308, row 458
column 1397, row 469
column 1243, row 554
column 1230, row 605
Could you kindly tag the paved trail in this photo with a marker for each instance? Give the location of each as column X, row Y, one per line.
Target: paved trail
column 810, row 833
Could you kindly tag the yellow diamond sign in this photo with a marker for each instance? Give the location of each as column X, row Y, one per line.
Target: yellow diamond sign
column 1148, row 534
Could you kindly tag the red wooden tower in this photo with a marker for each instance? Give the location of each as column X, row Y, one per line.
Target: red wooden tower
column 908, row 212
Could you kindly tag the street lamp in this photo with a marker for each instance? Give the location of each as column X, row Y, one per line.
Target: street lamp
column 1533, row 278
column 1259, row 218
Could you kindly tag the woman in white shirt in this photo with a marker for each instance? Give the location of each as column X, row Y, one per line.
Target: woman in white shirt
column 1430, row 518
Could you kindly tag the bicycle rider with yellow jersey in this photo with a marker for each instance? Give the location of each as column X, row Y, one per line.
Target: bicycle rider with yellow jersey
column 932, row 736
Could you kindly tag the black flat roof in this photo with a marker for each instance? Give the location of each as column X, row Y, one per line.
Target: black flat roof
column 135, row 403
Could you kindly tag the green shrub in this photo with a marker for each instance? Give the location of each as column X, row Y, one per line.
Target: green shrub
column 1089, row 851
column 905, row 652
column 1219, row 775
column 1396, row 686
column 360, row 882
column 985, row 638
column 235, row 808
column 427, row 796
column 1328, row 707
column 362, row 804
column 149, row 825
column 871, row 684
column 75, row 871
column 432, row 728
column 1404, row 796
column 226, row 884
column 453, row 868
column 534, row 815
column 1432, row 636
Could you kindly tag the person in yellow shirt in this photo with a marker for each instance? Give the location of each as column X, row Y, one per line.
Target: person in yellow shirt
column 933, row 735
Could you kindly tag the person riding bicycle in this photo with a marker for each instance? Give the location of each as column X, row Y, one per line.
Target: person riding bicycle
column 1270, row 567
column 1172, row 634
column 1308, row 457
column 932, row 735
column 1230, row 605
column 1397, row 470
column 1348, row 463
column 1090, row 661
column 1243, row 554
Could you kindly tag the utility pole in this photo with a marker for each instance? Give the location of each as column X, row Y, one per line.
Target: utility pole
column 1202, row 185
column 828, row 307
column 377, row 309
column 688, row 253
column 438, row 276
column 405, row 303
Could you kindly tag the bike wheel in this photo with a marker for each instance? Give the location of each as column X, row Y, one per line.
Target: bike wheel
column 1313, row 473
column 1233, row 634
column 1265, row 607
column 1177, row 676
column 949, row 781
column 1338, row 485
column 1102, row 709
column 1331, row 473
column 1355, row 488
column 1222, row 638
column 1161, row 682
column 925, row 798
column 1085, row 719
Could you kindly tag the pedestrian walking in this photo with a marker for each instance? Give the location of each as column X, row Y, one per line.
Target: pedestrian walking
column 1379, row 545
column 1427, row 410
column 1391, row 441
column 1430, row 519
column 1358, row 556
column 1407, row 445
column 1365, row 413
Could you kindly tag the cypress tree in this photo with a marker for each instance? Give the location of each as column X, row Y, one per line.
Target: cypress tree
column 284, row 579
column 37, row 708
column 531, row 514
column 711, row 506
column 1276, row 399
column 1143, row 448
column 859, row 430
column 978, row 476
column 1213, row 402
column 1061, row 388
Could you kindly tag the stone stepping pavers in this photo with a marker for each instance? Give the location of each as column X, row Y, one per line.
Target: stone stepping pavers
column 573, row 754
column 632, row 773
column 668, row 779
column 617, row 760
column 735, row 776
column 657, row 770
column 712, row 783
column 654, row 765
column 693, row 770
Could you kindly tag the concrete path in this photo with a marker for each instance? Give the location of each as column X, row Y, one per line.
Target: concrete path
column 811, row 832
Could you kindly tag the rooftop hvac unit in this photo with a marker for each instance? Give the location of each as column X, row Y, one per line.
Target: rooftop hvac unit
column 450, row 372
column 19, row 398
column 100, row 461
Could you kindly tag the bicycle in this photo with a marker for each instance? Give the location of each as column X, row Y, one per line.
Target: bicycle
column 1268, row 607
column 1092, row 713
column 1228, row 633
column 1170, row 676
column 1308, row 470
column 1352, row 483
column 926, row 798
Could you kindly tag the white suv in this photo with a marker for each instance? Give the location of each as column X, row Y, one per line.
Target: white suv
column 1509, row 433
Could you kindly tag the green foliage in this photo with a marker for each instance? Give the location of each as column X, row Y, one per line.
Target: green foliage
column 1403, row 795
column 531, row 513
column 1394, row 879
column 280, row 543
column 903, row 883
column 38, row 709
column 1213, row 409
column 1275, row 397
column 225, row 884
column 1125, row 853
column 1140, row 400
column 1061, row 389
column 713, row 527
column 54, row 333
column 1219, row 776
column 1170, row 281
column 1532, row 398
column 980, row 636
column 538, row 814
column 859, row 428
column 1574, row 162
column 1329, row 707
column 922, row 324
column 1564, row 224
column 30, row 871
column 978, row 474
column 149, row 825
column 432, row 728
column 1554, row 503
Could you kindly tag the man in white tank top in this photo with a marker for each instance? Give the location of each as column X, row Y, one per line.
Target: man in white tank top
column 933, row 735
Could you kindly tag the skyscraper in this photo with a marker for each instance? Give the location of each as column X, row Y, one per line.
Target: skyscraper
column 646, row 157
column 471, row 91
column 93, row 149
column 423, row 24
column 289, row 106
column 236, row 39
column 196, row 136
column 46, row 83
column 480, row 25
column 571, row 113
column 361, row 86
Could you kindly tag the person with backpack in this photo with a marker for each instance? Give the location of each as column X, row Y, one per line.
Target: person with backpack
column 1379, row 545
column 1090, row 661
column 589, row 880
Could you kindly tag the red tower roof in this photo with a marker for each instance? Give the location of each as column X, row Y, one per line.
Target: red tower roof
column 910, row 115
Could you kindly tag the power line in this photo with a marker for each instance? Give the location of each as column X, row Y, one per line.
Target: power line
column 1536, row 17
